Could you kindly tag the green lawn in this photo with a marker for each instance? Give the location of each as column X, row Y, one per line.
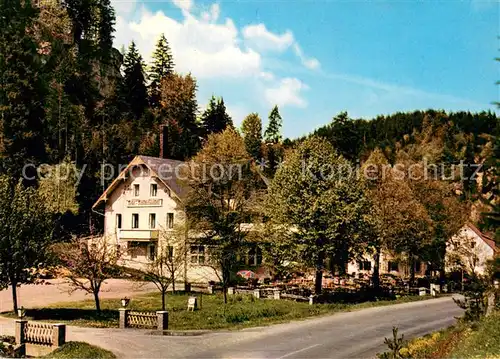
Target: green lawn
column 241, row 311
column 463, row 341
column 73, row 350
column 481, row 341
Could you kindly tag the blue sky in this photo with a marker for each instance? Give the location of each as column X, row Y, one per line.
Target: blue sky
column 317, row 58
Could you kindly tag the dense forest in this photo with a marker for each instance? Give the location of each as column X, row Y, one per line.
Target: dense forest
column 441, row 138
column 69, row 97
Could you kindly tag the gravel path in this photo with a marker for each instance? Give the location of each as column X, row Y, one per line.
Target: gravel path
column 56, row 290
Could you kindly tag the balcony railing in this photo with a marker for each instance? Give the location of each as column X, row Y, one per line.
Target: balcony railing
column 139, row 234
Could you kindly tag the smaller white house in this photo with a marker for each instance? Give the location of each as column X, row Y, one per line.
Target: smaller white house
column 469, row 250
column 388, row 265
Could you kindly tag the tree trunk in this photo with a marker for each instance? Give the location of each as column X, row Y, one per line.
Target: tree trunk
column 163, row 301
column 412, row 269
column 226, row 276
column 224, row 290
column 14, row 295
column 318, row 284
column 97, row 302
column 376, row 268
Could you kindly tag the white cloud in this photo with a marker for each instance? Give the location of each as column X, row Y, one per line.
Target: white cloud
column 309, row 62
column 268, row 76
column 183, row 4
column 237, row 113
column 213, row 49
column 288, row 92
column 259, row 37
column 123, row 7
column 205, row 49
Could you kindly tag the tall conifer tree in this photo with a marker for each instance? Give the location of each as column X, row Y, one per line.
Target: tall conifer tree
column 162, row 66
column 135, row 81
column 273, row 130
column 215, row 119
column 22, row 90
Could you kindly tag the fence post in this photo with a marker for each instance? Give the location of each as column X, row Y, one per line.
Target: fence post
column 277, row 294
column 256, row 293
column 123, row 318
column 20, row 331
column 311, row 299
column 162, row 317
column 210, row 289
column 58, row 335
column 230, row 291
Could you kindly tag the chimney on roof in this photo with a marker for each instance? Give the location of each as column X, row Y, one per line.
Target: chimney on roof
column 163, row 141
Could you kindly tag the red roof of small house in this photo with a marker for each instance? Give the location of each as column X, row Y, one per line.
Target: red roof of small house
column 486, row 239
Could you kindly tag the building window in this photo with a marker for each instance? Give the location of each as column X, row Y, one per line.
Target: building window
column 197, row 254
column 170, row 220
column 153, row 190
column 418, row 266
column 118, row 220
column 151, row 252
column 135, row 220
column 133, row 249
column 255, row 256
column 152, row 220
column 136, row 190
column 365, row 265
column 393, row 266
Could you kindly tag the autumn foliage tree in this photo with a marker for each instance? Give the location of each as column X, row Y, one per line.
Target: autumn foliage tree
column 177, row 110
column 221, row 200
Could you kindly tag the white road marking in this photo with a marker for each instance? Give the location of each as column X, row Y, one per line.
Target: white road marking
column 298, row 351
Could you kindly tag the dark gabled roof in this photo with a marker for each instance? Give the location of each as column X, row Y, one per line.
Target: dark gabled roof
column 490, row 242
column 169, row 172
column 165, row 170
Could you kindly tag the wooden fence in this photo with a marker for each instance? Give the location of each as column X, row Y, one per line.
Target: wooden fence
column 144, row 320
column 38, row 339
column 141, row 319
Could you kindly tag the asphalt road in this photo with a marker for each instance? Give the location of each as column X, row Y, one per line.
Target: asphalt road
column 358, row 334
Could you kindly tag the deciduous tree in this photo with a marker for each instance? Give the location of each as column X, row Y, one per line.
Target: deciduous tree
column 26, row 227
column 221, row 200
column 252, row 135
column 88, row 263
column 169, row 262
column 319, row 200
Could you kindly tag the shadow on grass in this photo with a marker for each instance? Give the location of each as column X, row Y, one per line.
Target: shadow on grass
column 69, row 314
